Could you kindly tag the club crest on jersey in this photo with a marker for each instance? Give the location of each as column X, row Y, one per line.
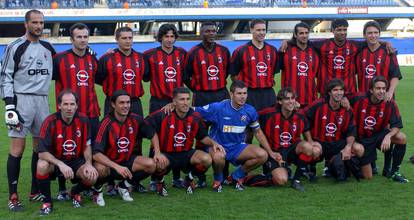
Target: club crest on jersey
column 78, row 132
column 268, row 57
column 370, row 122
column 302, row 69
column 213, row 71
column 170, row 73
column 123, row 144
column 285, row 138
column 370, row 71
column 339, row 62
column 72, row 66
column 261, row 69
column 129, row 76
column 188, row 128
column 82, row 76
column 348, row 51
column 136, row 63
column 69, row 146
column 130, row 130
column 179, row 139
column 340, row 120
column 330, row 129
column 379, row 59
column 294, row 127
column 219, row 59
column 243, row 118
column 178, row 62
column 381, row 114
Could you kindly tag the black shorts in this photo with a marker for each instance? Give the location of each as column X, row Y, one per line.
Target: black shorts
column 129, row 163
column 330, row 149
column 261, row 98
column 156, row 104
column 288, row 155
column 73, row 164
column 94, row 122
column 370, row 145
column 136, row 106
column 180, row 160
column 202, row 98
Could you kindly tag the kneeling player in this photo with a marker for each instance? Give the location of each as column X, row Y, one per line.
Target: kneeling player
column 378, row 125
column 65, row 144
column 115, row 147
column 283, row 126
column 177, row 131
column 332, row 125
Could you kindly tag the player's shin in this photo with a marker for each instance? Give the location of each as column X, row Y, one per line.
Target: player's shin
column 13, row 172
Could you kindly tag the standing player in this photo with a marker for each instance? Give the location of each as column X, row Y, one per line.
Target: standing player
column 299, row 66
column 177, row 131
column 332, row 125
column 25, row 80
column 115, row 149
column 65, row 147
column 166, row 70
column 124, row 69
column 378, row 125
column 75, row 69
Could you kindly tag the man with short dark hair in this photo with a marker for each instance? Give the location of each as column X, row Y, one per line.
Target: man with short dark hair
column 65, row 148
column 26, row 73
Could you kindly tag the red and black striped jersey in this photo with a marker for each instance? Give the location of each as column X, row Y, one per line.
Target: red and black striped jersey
column 375, row 63
column 177, row 134
column 118, row 140
column 255, row 67
column 328, row 125
column 282, row 132
column 205, row 70
column 337, row 62
column 117, row 71
column 299, row 69
column 77, row 73
column 166, row 71
column 65, row 141
column 372, row 118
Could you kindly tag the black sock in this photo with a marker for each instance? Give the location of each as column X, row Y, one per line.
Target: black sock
column 397, row 156
column 176, row 173
column 312, row 168
column 388, row 158
column 78, row 188
column 62, row 183
column 226, row 169
column 300, row 168
column 34, row 188
column 138, row 176
column 111, row 181
column 44, row 187
column 13, row 172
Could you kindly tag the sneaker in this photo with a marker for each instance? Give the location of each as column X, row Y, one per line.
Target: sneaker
column 37, row 197
column 63, row 196
column 46, row 209
column 98, row 197
column 76, row 201
column 228, row 181
column 201, row 183
column 153, row 186
column 161, row 190
column 296, row 185
column 189, row 184
column 124, row 193
column 14, row 203
column 386, row 173
column 178, row 183
column 112, row 190
column 326, row 173
column 88, row 193
column 398, row 177
column 310, row 176
column 217, row 186
column 239, row 185
column 140, row 188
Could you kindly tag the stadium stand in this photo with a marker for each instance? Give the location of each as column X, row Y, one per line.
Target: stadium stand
column 42, row 4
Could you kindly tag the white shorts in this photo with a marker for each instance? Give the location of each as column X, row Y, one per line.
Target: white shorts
column 34, row 109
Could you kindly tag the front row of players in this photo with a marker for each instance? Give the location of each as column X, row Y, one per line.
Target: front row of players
column 330, row 132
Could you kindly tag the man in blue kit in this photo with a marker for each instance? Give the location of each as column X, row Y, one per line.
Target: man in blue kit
column 229, row 119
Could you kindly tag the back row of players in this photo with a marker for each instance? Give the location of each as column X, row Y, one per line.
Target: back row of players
column 66, row 140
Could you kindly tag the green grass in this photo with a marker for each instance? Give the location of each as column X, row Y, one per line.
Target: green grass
column 379, row 198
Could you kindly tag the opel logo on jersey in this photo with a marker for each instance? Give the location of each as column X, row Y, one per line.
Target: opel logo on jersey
column 370, row 70
column 261, row 68
column 339, row 60
column 303, row 69
column 123, row 143
column 129, row 76
column 170, row 73
column 179, row 138
column 82, row 76
column 285, row 138
column 213, row 71
column 39, row 63
column 69, row 146
column 331, row 128
column 370, row 122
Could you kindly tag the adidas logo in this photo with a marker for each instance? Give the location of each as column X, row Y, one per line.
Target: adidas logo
column 72, row 66
column 60, row 136
column 277, row 126
column 172, row 127
column 203, row 62
column 331, row 52
column 161, row 63
column 119, row 65
column 294, row 58
column 252, row 58
column 324, row 117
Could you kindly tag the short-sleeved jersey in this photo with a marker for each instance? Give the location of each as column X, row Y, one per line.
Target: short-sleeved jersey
column 375, row 63
column 229, row 124
column 256, row 67
column 118, row 140
column 117, row 71
column 328, row 125
column 372, row 118
column 77, row 73
column 65, row 141
column 26, row 68
column 337, row 62
column 166, row 71
column 177, row 134
column 282, row 132
column 299, row 69
column 207, row 70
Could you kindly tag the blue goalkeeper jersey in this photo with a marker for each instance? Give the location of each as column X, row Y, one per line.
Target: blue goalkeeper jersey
column 229, row 124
